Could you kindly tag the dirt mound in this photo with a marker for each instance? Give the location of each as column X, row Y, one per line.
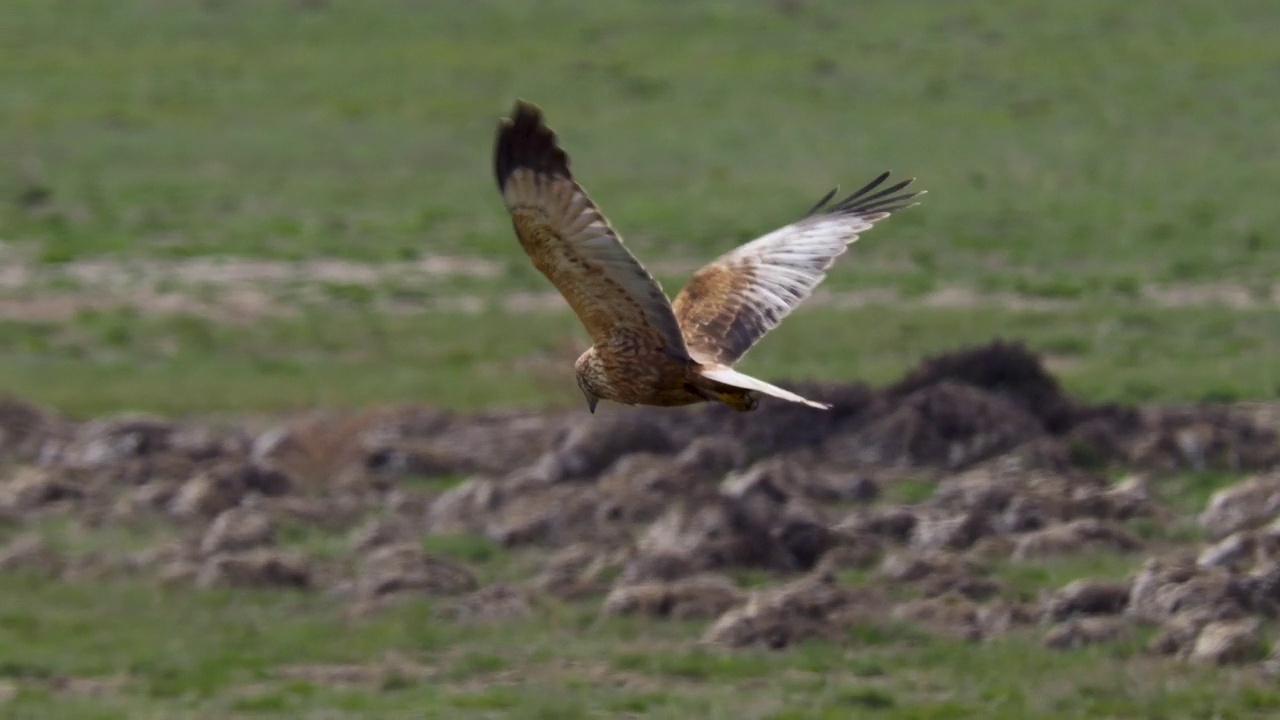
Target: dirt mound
column 24, row 428
column 698, row 596
column 813, row 606
column 1006, row 370
column 1210, row 607
column 900, row 505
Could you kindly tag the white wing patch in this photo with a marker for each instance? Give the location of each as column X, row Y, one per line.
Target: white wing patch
column 735, row 300
column 789, row 263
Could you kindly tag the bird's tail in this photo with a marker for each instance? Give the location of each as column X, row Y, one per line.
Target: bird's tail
column 729, row 376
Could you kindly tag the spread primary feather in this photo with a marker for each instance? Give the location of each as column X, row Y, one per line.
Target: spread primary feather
column 646, row 349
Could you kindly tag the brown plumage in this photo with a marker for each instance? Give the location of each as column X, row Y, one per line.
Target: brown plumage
column 647, row 350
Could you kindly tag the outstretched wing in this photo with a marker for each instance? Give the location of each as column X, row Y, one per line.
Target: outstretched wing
column 571, row 242
column 735, row 300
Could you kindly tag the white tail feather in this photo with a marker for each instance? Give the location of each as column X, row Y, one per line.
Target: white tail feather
column 729, row 376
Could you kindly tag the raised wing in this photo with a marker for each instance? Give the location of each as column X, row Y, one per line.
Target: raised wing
column 735, row 300
column 571, row 242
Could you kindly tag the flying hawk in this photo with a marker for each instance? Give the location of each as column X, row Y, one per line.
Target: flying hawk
column 648, row 350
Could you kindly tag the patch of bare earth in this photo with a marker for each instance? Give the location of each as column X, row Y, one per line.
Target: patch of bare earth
column 372, row 676
column 1221, row 295
column 67, row 685
column 239, row 290
column 658, row 513
column 223, row 289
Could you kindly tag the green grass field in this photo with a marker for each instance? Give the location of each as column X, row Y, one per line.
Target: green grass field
column 1101, row 177
column 212, row 655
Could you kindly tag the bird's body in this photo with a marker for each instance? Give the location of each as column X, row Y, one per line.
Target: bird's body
column 630, row 373
column 648, row 350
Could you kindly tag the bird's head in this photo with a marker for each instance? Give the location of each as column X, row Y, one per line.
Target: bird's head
column 590, row 376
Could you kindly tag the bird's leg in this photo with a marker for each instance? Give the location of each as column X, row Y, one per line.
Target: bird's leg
column 740, row 400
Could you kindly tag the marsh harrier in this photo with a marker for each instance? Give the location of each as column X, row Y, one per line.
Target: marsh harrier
column 648, row 350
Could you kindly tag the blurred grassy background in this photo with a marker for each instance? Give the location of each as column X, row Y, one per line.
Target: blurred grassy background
column 1101, row 177
column 1078, row 157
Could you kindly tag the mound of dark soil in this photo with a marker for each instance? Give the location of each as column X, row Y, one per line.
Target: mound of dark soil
column 973, row 459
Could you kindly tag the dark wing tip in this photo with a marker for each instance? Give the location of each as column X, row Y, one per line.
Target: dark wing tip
column 818, row 205
column 525, row 141
column 863, row 202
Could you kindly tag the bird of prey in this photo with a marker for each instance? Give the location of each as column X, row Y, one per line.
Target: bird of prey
column 647, row 350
